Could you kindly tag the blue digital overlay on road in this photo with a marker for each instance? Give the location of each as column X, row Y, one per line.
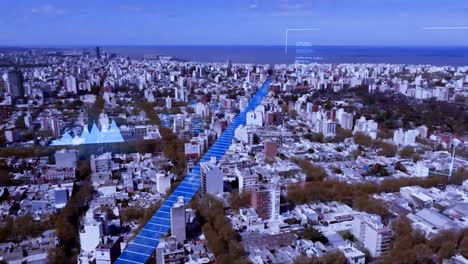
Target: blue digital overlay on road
column 146, row 241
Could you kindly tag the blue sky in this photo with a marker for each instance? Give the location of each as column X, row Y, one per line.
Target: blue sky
column 233, row 22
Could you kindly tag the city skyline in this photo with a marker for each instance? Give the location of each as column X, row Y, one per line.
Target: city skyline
column 246, row 131
column 360, row 23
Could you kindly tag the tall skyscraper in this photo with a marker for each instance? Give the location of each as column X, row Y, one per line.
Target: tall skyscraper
column 15, row 83
column 98, row 52
column 211, row 177
column 229, row 68
column 178, row 219
column 266, row 201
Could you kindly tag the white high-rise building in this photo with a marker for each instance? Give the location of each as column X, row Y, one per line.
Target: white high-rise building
column 366, row 126
column 71, row 84
column 168, row 102
column 398, row 136
column 405, row 138
column 179, row 123
column 180, row 94
column 202, row 109
column 422, row 131
column 375, row 237
column 163, row 183
column 254, row 118
column 211, row 177
column 326, row 127
column 104, row 121
column 345, row 119
column 410, row 137
column 178, row 219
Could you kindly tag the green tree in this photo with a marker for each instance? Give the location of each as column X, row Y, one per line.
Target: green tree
column 362, row 139
column 349, row 237
column 314, row 235
column 387, row 150
column 313, row 172
column 406, row 152
column 238, row 200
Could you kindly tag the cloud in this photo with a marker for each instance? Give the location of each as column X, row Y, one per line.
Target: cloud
column 147, row 11
column 253, row 6
column 285, row 8
column 48, row 10
column 294, row 6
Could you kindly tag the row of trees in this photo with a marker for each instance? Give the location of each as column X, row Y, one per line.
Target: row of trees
column 173, row 149
column 96, row 109
column 411, row 246
column 151, row 114
column 313, row 172
column 26, row 152
column 357, row 195
column 395, row 111
column 383, row 148
column 22, row 227
column 333, row 257
column 223, row 241
column 239, row 200
column 67, row 226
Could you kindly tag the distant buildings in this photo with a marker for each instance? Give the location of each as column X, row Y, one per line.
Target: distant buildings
column 254, row 118
column 70, row 83
column 368, row 127
column 326, row 127
column 98, row 53
column 344, row 119
column 168, row 102
column 405, row 138
column 202, row 109
column 15, row 84
column 180, row 95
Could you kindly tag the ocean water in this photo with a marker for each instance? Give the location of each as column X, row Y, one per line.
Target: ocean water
column 455, row 56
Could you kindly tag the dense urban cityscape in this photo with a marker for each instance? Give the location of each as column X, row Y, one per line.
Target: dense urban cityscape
column 302, row 163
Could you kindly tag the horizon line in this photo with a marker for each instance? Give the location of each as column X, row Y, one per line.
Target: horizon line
column 220, row 45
